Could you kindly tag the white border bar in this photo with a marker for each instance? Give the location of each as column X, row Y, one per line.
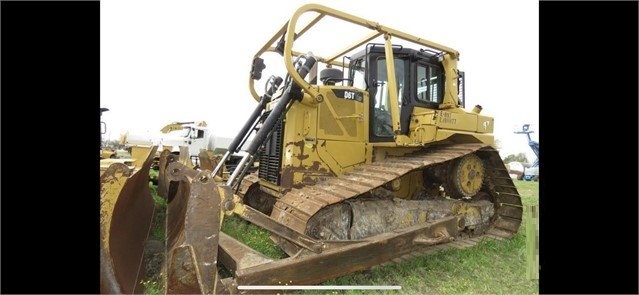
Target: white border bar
column 317, row 287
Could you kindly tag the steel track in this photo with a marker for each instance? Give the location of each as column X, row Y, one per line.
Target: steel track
column 298, row 205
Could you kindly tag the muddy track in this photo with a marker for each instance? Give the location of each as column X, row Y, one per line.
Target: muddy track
column 298, row 205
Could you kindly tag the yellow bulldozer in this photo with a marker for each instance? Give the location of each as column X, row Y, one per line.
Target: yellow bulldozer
column 365, row 154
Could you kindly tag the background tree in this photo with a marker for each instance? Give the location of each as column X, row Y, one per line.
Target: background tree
column 114, row 144
column 521, row 157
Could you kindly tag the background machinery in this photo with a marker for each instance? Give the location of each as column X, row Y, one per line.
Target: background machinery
column 108, row 155
column 532, row 172
column 194, row 136
column 105, row 152
column 370, row 159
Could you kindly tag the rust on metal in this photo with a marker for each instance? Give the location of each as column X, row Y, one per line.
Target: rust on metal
column 249, row 181
column 264, row 221
column 299, row 144
column 193, row 228
column 297, row 206
column 316, row 268
column 234, row 255
column 254, row 197
column 185, row 157
column 163, row 184
column 208, row 161
column 126, row 211
column 365, row 217
column 400, row 226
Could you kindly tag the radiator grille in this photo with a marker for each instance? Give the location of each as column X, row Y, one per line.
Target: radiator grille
column 271, row 154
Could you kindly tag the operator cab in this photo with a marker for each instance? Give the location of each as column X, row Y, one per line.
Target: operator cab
column 420, row 82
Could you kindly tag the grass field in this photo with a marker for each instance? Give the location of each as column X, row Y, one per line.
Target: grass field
column 490, row 267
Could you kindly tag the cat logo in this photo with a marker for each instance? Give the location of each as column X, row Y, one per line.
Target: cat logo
column 486, row 124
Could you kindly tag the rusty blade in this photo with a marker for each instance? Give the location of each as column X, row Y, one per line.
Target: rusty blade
column 339, row 260
column 126, row 210
column 185, row 157
column 193, row 228
column 208, row 161
column 163, row 183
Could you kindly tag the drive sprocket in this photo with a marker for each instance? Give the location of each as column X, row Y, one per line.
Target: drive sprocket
column 465, row 177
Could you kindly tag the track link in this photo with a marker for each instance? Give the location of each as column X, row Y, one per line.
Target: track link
column 298, row 205
column 509, row 214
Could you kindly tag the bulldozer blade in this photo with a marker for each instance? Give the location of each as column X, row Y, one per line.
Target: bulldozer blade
column 165, row 187
column 126, row 211
column 208, row 161
column 194, row 218
column 185, row 157
column 163, row 183
column 340, row 257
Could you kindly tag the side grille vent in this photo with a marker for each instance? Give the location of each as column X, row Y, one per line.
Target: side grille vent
column 271, row 154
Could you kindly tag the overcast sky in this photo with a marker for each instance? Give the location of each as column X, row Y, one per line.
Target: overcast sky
column 164, row 61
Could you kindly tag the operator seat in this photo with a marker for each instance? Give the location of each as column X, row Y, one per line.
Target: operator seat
column 330, row 76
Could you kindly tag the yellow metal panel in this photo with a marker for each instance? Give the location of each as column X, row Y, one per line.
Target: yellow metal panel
column 423, row 134
column 485, row 124
column 329, row 127
column 301, row 160
column 139, row 154
column 422, row 125
column 299, row 136
column 341, row 155
column 380, row 152
column 456, row 121
column 342, row 119
column 392, row 84
column 466, row 137
column 410, row 184
column 450, row 71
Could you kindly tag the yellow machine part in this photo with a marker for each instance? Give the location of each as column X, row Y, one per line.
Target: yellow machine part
column 126, row 210
column 106, row 153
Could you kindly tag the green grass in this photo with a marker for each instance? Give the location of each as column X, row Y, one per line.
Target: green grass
column 159, row 216
column 153, row 280
column 154, row 175
column 490, row 267
column 529, row 191
column 153, row 287
column 252, row 236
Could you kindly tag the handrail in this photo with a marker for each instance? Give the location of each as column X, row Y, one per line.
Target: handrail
column 288, row 30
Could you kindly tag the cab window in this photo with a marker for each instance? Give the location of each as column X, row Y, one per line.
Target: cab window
column 429, row 84
column 382, row 123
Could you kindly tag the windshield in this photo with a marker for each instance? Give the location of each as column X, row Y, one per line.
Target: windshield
column 382, row 123
column 429, row 82
column 185, row 132
column 357, row 74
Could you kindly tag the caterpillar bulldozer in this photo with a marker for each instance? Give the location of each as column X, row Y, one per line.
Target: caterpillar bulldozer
column 372, row 158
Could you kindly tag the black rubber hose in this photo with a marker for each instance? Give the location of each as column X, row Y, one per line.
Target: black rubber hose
column 235, row 144
column 277, row 111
